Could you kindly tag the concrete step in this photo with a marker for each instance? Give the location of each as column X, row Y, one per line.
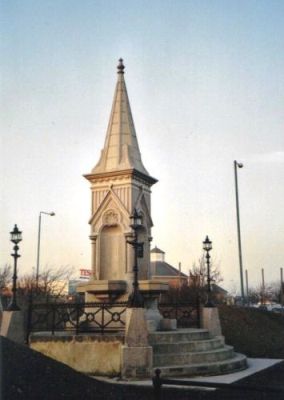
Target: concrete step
column 180, row 335
column 237, row 363
column 223, row 353
column 186, row 347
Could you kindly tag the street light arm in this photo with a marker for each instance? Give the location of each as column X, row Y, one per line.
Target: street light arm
column 51, row 214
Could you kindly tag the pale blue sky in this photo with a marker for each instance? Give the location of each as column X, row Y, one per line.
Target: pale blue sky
column 206, row 86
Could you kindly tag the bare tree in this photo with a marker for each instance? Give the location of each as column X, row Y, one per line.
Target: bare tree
column 198, row 272
column 198, row 278
column 5, row 276
column 5, row 281
column 51, row 285
column 195, row 288
column 263, row 294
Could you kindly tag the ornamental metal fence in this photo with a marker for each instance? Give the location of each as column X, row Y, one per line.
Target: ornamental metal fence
column 186, row 314
column 78, row 318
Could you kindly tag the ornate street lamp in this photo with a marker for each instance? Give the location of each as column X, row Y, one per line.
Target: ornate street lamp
column 51, row 214
column 16, row 237
column 207, row 247
column 135, row 299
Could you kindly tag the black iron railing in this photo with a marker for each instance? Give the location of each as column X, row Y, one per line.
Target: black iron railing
column 99, row 317
column 186, row 314
column 76, row 317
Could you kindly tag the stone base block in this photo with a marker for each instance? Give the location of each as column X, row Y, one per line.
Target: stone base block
column 136, row 332
column 151, row 325
column 167, row 324
column 136, row 362
column 12, row 326
column 152, row 314
column 210, row 320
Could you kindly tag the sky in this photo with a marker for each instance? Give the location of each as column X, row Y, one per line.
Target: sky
column 205, row 81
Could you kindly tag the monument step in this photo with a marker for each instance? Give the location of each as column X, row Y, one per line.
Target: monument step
column 220, row 354
column 192, row 346
column 180, row 335
column 237, row 363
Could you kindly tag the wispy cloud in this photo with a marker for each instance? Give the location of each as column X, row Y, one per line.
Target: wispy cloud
column 272, row 157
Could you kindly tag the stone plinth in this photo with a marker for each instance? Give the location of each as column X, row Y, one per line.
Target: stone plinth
column 136, row 362
column 136, row 355
column 12, row 326
column 167, row 324
column 210, row 320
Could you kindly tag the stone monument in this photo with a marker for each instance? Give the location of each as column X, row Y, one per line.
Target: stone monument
column 120, row 184
column 120, row 189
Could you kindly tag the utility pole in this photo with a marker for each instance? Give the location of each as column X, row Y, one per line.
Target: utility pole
column 239, row 165
column 247, row 293
column 263, row 285
column 281, row 286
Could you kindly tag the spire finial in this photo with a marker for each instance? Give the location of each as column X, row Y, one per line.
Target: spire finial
column 120, row 67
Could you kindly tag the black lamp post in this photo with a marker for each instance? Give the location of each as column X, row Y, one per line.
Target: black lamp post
column 135, row 299
column 16, row 237
column 207, row 247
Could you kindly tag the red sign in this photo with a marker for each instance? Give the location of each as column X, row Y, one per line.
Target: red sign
column 85, row 273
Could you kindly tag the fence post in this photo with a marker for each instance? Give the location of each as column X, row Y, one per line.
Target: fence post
column 103, row 317
column 157, row 383
column 53, row 319
column 77, row 317
column 176, row 311
column 29, row 316
column 198, row 310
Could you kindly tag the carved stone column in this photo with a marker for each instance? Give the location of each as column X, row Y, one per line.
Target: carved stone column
column 129, row 261
column 95, row 272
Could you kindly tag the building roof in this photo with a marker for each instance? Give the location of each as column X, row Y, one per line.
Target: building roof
column 217, row 288
column 121, row 151
column 156, row 250
column 161, row 268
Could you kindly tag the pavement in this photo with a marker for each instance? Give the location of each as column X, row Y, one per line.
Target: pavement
column 254, row 365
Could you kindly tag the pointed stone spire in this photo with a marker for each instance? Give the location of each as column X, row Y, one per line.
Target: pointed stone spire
column 121, row 150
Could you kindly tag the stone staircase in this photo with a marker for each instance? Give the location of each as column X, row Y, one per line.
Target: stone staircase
column 193, row 352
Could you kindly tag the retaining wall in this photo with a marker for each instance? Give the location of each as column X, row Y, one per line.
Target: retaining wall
column 94, row 354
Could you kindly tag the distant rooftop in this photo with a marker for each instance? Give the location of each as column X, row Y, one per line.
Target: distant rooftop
column 157, row 250
column 161, row 268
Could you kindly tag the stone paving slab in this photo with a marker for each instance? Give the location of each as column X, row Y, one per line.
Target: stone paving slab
column 254, row 365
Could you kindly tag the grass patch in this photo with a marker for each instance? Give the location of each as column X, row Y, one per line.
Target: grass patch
column 254, row 332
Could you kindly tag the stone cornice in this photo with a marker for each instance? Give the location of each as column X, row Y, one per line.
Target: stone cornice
column 128, row 173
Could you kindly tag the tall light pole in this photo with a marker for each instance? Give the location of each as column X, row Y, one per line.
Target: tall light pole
column 281, row 286
column 51, row 214
column 236, row 166
column 247, row 290
column 262, row 286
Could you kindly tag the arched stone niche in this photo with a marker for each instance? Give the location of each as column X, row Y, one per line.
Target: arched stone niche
column 112, row 251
